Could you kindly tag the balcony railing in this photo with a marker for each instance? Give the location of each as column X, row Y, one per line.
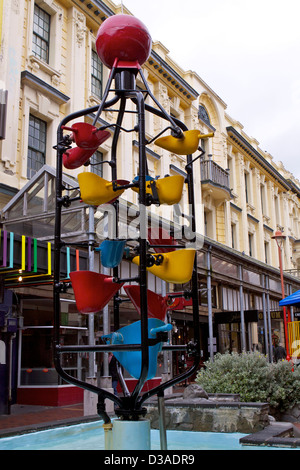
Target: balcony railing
column 214, row 175
column 211, row 171
column 293, row 272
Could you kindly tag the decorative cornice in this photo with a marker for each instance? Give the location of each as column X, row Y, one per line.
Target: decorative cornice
column 247, row 147
column 98, row 8
column 235, row 207
column 253, row 218
column 268, row 228
column 35, row 82
column 178, row 170
column 171, row 76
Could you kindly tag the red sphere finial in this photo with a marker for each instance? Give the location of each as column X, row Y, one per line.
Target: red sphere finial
column 125, row 38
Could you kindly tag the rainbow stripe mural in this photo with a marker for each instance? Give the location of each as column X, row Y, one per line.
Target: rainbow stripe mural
column 27, row 260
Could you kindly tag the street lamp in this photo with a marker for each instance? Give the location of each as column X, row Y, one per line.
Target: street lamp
column 279, row 238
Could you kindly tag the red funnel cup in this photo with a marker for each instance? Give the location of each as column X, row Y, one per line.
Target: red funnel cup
column 157, row 305
column 92, row 290
column 178, row 303
column 76, row 157
column 87, row 136
column 159, row 236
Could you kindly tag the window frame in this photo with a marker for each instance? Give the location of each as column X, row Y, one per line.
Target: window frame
column 35, row 34
column 251, row 244
column 95, row 77
column 267, row 251
column 31, row 171
column 247, row 186
column 233, row 236
column 96, row 166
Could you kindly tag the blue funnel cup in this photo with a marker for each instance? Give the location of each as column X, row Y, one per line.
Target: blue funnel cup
column 131, row 334
column 111, row 252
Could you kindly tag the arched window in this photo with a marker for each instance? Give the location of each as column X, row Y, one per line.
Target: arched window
column 203, row 115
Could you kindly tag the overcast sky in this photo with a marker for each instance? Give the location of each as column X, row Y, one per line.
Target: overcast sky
column 248, row 52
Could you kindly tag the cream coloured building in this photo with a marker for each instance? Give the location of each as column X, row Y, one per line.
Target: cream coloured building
column 49, row 69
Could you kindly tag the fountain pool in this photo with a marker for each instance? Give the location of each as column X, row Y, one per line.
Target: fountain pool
column 90, row 436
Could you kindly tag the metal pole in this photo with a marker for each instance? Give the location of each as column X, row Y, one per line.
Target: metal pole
column 265, row 318
column 284, row 309
column 162, row 422
column 91, row 318
column 106, row 331
column 142, row 246
column 269, row 320
column 209, row 305
column 106, row 317
column 165, row 354
column 243, row 337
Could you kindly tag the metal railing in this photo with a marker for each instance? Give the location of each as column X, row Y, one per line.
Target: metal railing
column 211, row 171
column 293, row 272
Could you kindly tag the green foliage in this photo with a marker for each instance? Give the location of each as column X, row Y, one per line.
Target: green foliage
column 253, row 378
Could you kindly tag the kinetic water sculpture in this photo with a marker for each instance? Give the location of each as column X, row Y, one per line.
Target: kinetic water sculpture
column 168, row 189
column 123, row 44
column 92, row 290
column 95, row 190
column 111, row 252
column 125, row 39
column 76, row 157
column 131, row 334
column 159, row 236
column 187, row 144
column 87, row 136
column 175, row 267
column 157, row 305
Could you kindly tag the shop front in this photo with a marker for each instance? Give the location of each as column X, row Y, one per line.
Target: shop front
column 38, row 381
column 28, row 375
column 229, row 328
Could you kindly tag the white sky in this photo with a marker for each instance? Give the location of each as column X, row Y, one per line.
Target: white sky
column 248, row 52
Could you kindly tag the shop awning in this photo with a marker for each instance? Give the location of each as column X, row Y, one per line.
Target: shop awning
column 293, row 299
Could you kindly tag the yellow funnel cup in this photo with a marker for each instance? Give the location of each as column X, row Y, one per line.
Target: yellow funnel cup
column 185, row 145
column 169, row 189
column 176, row 267
column 95, row 190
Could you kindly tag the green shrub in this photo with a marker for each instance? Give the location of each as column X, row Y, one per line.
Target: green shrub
column 253, row 378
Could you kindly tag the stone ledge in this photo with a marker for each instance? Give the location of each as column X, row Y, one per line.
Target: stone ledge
column 275, row 435
column 208, row 416
column 204, row 403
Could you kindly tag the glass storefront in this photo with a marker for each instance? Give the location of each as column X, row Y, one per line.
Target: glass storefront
column 37, row 366
column 36, row 343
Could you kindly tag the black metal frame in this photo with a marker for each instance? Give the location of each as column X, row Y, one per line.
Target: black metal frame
column 130, row 406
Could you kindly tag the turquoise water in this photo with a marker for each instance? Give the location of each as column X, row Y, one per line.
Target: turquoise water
column 90, row 436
